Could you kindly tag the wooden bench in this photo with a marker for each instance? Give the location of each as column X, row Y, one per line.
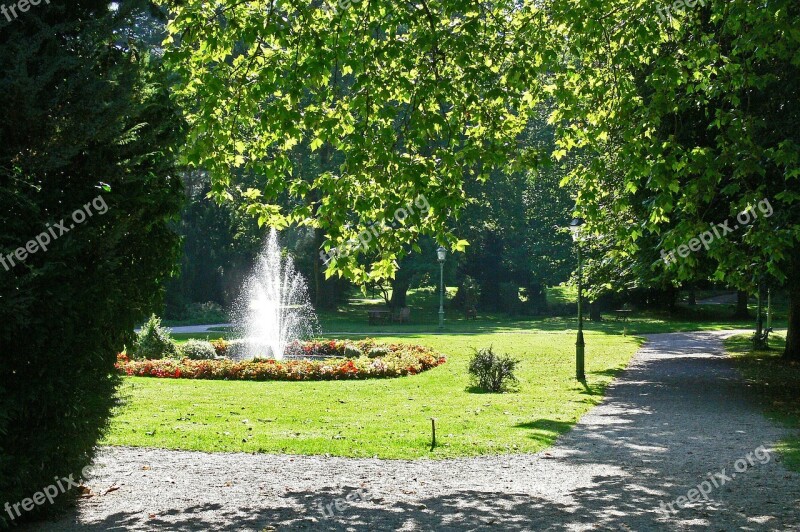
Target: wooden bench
column 378, row 316
column 404, row 316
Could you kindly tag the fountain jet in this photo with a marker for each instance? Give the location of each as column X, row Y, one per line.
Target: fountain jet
column 273, row 309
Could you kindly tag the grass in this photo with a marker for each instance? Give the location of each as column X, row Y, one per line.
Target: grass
column 352, row 320
column 391, row 418
column 424, row 304
column 384, row 418
column 777, row 383
column 563, row 293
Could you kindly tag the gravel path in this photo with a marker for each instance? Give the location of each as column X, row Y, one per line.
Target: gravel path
column 677, row 414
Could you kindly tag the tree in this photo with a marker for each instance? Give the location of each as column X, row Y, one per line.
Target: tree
column 413, row 99
column 87, row 140
column 219, row 246
column 690, row 122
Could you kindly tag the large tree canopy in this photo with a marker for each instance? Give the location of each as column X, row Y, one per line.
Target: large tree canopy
column 411, row 98
column 689, row 120
column 682, row 119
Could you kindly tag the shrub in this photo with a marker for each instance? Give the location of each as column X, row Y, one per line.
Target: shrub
column 153, row 341
column 326, row 348
column 198, row 350
column 351, row 351
column 492, row 372
column 379, row 351
column 220, row 346
column 236, row 348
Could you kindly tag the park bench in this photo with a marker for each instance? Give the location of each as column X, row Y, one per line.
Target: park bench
column 378, row 316
column 403, row 316
column 622, row 314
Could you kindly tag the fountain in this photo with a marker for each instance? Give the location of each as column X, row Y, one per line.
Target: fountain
column 273, row 309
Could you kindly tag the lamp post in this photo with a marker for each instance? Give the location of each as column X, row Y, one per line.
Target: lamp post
column 575, row 229
column 441, row 253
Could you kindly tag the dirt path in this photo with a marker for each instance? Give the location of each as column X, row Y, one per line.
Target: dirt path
column 679, row 413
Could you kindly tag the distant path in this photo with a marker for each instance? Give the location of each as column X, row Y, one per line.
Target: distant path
column 198, row 328
column 679, row 412
column 722, row 299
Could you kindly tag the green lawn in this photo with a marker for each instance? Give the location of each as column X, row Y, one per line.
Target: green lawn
column 391, row 418
column 353, row 322
column 777, row 382
column 385, row 418
column 424, row 304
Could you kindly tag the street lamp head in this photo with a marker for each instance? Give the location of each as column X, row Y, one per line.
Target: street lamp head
column 441, row 253
column 575, row 228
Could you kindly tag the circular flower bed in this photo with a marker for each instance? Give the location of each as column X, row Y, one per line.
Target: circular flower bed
column 332, row 360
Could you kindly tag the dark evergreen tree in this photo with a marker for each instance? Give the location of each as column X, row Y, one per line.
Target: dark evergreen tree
column 87, row 127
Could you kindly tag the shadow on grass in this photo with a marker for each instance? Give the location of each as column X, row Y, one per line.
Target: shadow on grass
column 648, row 323
column 482, row 391
column 545, row 430
column 776, row 383
column 352, row 319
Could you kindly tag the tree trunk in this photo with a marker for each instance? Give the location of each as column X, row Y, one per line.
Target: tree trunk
column 537, row 298
column 319, row 235
column 792, row 351
column 595, row 311
column 318, row 238
column 670, row 298
column 692, row 297
column 399, row 292
column 741, row 305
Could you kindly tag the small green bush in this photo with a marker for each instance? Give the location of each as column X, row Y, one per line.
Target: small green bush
column 379, row 351
column 198, row 350
column 492, row 372
column 351, row 351
column 154, row 341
